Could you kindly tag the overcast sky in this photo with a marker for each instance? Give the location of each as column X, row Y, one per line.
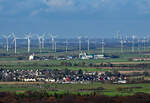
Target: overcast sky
column 71, row 18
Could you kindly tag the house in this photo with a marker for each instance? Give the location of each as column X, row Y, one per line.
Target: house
column 84, row 55
column 120, row 82
column 31, row 57
column 29, row 80
column 98, row 56
column 140, row 59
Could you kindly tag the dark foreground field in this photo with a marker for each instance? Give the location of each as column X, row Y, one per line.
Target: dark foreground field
column 43, row 97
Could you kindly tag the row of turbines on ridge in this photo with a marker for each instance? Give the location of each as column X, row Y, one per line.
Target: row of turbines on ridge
column 41, row 40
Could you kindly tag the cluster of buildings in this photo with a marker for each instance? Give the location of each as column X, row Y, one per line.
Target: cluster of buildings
column 140, row 59
column 82, row 55
column 57, row 76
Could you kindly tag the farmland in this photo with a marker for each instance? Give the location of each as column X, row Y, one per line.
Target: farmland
column 121, row 63
column 87, row 88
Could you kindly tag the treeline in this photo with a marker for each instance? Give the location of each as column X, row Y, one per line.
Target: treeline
column 77, row 64
column 103, row 64
column 44, row 97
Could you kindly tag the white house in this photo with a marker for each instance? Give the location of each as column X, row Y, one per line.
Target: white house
column 98, row 56
column 31, row 57
column 84, row 55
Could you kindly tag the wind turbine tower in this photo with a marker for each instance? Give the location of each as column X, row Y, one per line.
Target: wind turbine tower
column 66, row 46
column 121, row 44
column 117, row 35
column 29, row 41
column 15, row 41
column 139, row 45
column 133, row 39
column 15, row 45
column 102, row 46
column 79, row 38
column 144, row 42
column 43, row 40
column 39, row 39
column 7, row 42
column 55, row 46
column 88, row 44
column 53, row 42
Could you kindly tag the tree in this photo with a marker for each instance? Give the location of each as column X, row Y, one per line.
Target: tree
column 80, row 72
column 145, row 73
column 66, row 71
column 109, row 74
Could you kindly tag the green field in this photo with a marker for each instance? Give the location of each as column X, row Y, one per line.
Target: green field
column 56, row 64
column 99, row 88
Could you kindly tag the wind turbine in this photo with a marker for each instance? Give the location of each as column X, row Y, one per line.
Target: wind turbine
column 88, row 44
column 55, row 46
column 102, row 46
column 53, row 41
column 79, row 38
column 43, row 39
column 139, row 45
column 144, row 42
column 15, row 42
column 133, row 39
column 39, row 39
column 116, row 35
column 29, row 41
column 66, row 46
column 7, row 41
column 126, row 37
column 121, row 44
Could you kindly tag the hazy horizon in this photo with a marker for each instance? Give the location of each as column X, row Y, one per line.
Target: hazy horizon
column 72, row 18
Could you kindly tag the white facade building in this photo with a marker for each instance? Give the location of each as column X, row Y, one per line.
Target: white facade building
column 84, row 55
column 31, row 57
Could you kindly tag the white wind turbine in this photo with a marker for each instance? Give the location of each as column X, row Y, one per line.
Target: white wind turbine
column 138, row 45
column 102, row 43
column 79, row 38
column 7, row 41
column 40, row 41
column 88, row 41
column 15, row 42
column 55, row 46
column 66, row 46
column 121, row 44
column 133, row 40
column 144, row 42
column 29, row 41
column 53, row 41
column 116, row 35
column 43, row 40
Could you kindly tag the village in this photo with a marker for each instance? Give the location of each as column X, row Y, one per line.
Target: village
column 59, row 76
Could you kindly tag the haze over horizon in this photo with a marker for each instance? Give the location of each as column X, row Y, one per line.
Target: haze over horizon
column 71, row 18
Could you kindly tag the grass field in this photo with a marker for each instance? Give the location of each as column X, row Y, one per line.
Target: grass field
column 55, row 64
column 99, row 88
